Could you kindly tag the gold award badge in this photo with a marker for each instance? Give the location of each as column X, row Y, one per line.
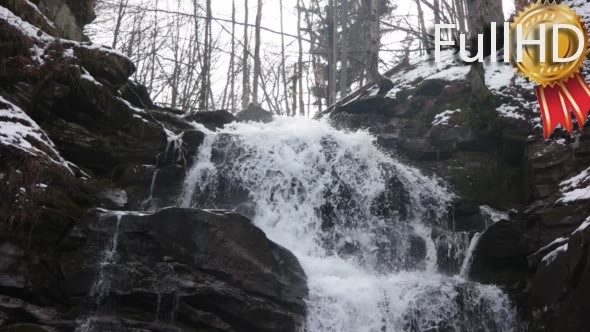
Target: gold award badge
column 552, row 54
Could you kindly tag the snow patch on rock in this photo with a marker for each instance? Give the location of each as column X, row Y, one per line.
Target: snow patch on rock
column 448, row 69
column 19, row 131
column 550, row 257
column 576, row 188
column 493, row 214
column 443, row 118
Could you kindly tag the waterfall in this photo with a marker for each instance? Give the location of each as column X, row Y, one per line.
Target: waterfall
column 360, row 222
column 148, row 204
column 102, row 284
column 466, row 266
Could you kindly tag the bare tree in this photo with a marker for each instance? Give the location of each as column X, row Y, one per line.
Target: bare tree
column 284, row 62
column 374, row 34
column 344, row 48
column 422, row 26
column 481, row 14
column 257, row 53
column 436, row 5
column 245, row 66
column 460, row 13
column 120, row 14
column 206, row 66
column 300, row 60
column 332, row 41
column 232, row 63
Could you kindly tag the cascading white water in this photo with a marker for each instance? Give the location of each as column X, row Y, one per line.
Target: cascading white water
column 102, row 285
column 359, row 222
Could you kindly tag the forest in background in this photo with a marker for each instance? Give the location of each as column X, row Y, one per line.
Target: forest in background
column 193, row 58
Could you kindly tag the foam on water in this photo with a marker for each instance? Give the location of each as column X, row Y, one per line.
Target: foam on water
column 359, row 221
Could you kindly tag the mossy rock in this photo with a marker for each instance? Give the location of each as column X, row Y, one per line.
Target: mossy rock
column 430, row 87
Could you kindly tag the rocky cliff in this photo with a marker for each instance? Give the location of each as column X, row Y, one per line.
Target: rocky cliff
column 81, row 147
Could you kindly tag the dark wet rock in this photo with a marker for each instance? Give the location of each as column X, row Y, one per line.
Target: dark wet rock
column 551, row 277
column 376, row 105
column 213, row 262
column 255, row 113
column 137, row 95
column 150, row 187
column 430, row 88
column 114, row 199
column 19, row 316
column 393, row 202
column 212, row 119
column 467, row 217
column 501, row 255
column 105, row 65
column 192, row 140
column 450, row 249
column 572, row 313
column 12, row 269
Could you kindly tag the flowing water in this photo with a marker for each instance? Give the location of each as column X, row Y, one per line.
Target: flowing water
column 102, row 284
column 360, row 222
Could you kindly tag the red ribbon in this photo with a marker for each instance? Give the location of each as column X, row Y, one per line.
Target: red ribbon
column 559, row 101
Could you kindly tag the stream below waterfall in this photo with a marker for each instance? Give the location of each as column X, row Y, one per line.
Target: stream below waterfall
column 361, row 223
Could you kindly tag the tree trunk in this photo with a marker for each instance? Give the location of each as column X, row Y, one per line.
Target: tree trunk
column 245, row 66
column 206, row 70
column 257, row 65
column 300, row 60
column 480, row 14
column 120, row 14
column 372, row 10
column 460, row 9
column 284, row 63
column 423, row 34
column 154, row 50
column 344, row 47
column 232, row 63
column 332, row 42
column 436, row 5
column 294, row 79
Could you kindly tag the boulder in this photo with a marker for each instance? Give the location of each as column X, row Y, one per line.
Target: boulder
column 572, row 313
column 192, row 140
column 550, row 281
column 255, row 113
column 501, row 255
column 136, row 94
column 212, row 269
column 369, row 105
column 106, row 65
column 212, row 119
